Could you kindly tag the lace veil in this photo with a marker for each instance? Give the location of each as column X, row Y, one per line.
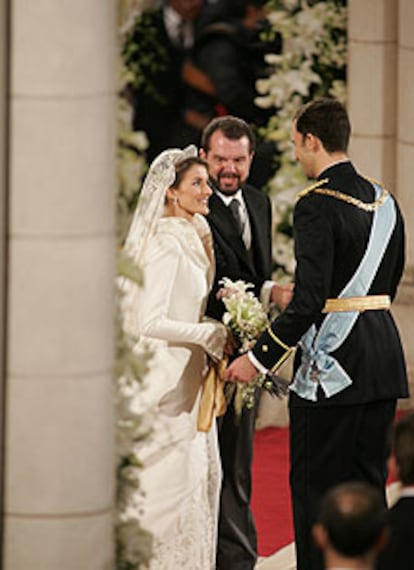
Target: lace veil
column 149, row 210
column 151, row 200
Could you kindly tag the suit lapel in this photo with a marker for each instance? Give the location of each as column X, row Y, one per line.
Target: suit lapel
column 259, row 227
column 221, row 218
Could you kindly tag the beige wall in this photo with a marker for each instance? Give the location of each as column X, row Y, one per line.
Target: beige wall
column 3, row 207
column 372, row 86
column 404, row 169
column 381, row 105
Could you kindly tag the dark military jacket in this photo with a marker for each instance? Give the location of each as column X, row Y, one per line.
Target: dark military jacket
column 331, row 235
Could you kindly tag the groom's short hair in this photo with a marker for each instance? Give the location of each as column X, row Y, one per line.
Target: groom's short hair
column 326, row 119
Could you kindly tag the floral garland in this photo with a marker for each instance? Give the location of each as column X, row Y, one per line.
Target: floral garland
column 143, row 55
column 133, row 543
column 312, row 64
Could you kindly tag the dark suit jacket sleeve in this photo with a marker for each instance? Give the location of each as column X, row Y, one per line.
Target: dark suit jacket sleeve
column 314, row 251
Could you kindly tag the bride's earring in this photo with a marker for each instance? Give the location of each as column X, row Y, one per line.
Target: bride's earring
column 175, row 201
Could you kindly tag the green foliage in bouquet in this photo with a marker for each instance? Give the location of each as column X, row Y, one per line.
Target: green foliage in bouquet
column 246, row 318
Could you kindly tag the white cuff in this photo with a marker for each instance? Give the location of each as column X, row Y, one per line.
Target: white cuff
column 256, row 363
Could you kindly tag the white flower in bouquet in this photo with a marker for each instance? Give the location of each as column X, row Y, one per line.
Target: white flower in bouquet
column 247, row 319
column 244, row 315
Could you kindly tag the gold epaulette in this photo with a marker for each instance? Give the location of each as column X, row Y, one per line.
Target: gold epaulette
column 311, row 188
column 366, row 206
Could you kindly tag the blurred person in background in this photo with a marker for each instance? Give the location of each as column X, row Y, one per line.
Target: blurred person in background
column 154, row 50
column 351, row 527
column 231, row 53
column 399, row 551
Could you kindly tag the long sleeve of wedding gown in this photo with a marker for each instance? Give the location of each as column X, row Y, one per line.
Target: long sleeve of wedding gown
column 163, row 280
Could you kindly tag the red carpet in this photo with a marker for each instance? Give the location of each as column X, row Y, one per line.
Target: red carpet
column 271, row 493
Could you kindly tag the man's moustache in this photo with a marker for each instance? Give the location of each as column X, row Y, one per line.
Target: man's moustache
column 228, row 175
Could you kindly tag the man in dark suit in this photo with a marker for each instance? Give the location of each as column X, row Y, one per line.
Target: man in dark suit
column 153, row 50
column 232, row 54
column 242, row 245
column 399, row 551
column 349, row 368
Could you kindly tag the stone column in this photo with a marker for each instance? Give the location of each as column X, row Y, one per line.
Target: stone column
column 404, row 310
column 4, row 48
column 381, row 91
column 405, row 131
column 59, row 430
column 372, row 79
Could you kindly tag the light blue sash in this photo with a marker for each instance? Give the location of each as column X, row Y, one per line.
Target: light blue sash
column 318, row 367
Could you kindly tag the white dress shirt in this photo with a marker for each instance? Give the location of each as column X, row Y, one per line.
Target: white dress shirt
column 180, row 32
column 247, row 231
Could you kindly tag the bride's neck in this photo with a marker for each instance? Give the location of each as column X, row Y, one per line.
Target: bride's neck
column 175, row 211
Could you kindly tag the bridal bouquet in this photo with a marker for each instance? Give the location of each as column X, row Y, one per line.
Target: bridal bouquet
column 246, row 319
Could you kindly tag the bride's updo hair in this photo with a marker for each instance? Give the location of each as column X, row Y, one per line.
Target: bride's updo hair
column 183, row 166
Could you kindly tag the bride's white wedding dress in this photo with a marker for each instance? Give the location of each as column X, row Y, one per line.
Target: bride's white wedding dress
column 181, row 476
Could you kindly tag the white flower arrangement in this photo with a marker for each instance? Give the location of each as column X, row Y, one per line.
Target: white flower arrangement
column 246, row 319
column 312, row 63
column 244, row 314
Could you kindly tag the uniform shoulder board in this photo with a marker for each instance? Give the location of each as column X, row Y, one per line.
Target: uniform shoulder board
column 373, row 181
column 311, row 188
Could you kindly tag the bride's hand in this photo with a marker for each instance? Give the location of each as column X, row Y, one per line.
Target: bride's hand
column 225, row 292
column 231, row 344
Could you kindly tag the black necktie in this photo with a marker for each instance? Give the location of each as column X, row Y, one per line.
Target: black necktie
column 235, row 210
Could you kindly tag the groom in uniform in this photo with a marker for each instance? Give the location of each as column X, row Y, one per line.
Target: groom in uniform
column 349, row 367
column 241, row 221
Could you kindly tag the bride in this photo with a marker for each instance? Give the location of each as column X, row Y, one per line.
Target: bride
column 171, row 241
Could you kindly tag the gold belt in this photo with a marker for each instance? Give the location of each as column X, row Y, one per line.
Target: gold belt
column 360, row 304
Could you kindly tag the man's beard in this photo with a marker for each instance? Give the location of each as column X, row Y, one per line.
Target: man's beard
column 216, row 183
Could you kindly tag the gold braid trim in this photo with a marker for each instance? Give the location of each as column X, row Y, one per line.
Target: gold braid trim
column 367, row 207
column 288, row 349
column 276, row 339
column 360, row 304
column 311, row 188
column 282, row 359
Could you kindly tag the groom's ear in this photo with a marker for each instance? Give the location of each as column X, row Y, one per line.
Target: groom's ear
column 202, row 153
